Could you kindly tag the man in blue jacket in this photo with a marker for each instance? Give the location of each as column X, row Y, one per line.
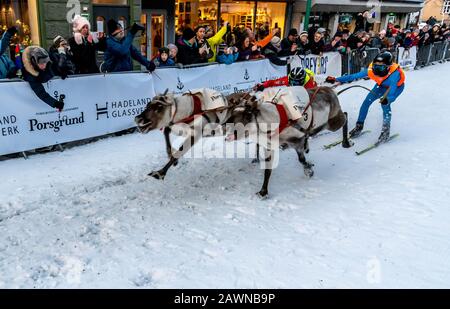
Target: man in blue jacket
column 7, row 67
column 120, row 49
column 390, row 83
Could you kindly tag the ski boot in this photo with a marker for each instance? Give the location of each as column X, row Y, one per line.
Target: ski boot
column 357, row 130
column 385, row 133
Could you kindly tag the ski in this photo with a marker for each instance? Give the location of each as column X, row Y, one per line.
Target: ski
column 329, row 146
column 375, row 145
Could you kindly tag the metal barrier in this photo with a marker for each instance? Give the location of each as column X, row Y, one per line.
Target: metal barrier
column 358, row 60
column 437, row 52
column 424, row 55
column 447, row 51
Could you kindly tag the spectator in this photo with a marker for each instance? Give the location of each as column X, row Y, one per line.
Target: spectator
column 379, row 41
column 425, row 37
column 163, row 59
column 36, row 71
column 336, row 44
column 7, row 67
column 272, row 51
column 205, row 49
column 317, row 46
column 173, row 51
column 415, row 37
column 408, row 40
column 345, row 36
column 61, row 58
column 84, row 45
column 227, row 55
column 431, row 21
column 290, row 44
column 263, row 42
column 215, row 40
column 362, row 23
column 303, row 45
column 188, row 51
column 120, row 50
column 245, row 48
column 436, row 34
column 354, row 39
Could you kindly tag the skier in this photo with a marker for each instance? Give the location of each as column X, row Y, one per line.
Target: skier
column 297, row 77
column 390, row 83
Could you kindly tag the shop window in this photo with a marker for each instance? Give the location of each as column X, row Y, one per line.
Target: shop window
column 270, row 15
column 23, row 14
column 196, row 12
column 238, row 13
column 446, row 7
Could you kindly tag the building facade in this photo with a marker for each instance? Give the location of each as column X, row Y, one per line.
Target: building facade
column 439, row 9
column 341, row 14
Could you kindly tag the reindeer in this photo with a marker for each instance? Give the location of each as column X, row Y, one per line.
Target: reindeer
column 257, row 116
column 182, row 115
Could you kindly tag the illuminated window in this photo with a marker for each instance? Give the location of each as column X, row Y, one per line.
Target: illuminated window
column 446, row 7
column 23, row 14
column 110, row 2
column 196, row 12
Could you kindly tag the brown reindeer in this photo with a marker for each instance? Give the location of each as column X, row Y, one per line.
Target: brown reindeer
column 259, row 116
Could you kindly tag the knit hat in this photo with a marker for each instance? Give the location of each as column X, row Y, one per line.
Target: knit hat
column 113, row 26
column 303, row 33
column 293, row 32
column 338, row 34
column 164, row 50
column 58, row 40
column 172, row 46
column 188, row 34
column 275, row 41
column 39, row 55
column 78, row 23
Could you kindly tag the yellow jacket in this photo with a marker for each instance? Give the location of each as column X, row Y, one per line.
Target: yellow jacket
column 215, row 40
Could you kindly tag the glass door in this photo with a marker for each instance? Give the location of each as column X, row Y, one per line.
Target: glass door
column 155, row 36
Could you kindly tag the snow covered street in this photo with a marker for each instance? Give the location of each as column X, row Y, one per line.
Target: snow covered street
column 90, row 217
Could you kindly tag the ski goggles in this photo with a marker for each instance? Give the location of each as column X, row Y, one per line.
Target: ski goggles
column 380, row 69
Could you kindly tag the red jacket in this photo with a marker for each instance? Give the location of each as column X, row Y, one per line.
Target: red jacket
column 284, row 81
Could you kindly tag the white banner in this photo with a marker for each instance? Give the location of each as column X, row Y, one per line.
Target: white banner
column 95, row 105
column 407, row 57
column 100, row 104
column 236, row 77
column 330, row 64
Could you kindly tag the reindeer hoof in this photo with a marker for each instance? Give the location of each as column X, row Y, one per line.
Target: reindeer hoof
column 175, row 163
column 349, row 144
column 157, row 175
column 308, row 172
column 263, row 194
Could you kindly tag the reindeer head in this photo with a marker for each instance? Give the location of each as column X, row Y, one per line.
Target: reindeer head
column 156, row 114
column 243, row 114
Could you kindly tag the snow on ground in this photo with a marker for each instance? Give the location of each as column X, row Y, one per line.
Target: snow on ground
column 90, row 217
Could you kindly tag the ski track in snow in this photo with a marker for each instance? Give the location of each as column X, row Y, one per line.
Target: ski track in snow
column 90, row 217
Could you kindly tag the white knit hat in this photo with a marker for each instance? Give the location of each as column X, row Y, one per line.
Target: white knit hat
column 77, row 24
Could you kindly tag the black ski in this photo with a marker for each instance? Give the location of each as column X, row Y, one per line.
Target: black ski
column 376, row 145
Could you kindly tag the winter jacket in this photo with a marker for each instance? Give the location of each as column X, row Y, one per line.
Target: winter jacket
column 208, row 54
column 227, row 59
column 245, row 54
column 84, row 55
column 317, row 47
column 159, row 63
column 36, row 78
column 272, row 53
column 7, row 67
column 62, row 64
column 119, row 54
column 214, row 41
column 286, row 46
column 187, row 54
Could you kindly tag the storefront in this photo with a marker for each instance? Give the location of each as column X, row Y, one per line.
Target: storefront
column 23, row 14
column 165, row 18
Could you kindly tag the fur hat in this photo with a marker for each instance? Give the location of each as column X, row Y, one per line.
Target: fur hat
column 275, row 41
column 32, row 56
column 77, row 24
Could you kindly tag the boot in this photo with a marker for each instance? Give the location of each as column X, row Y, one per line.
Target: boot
column 385, row 133
column 357, row 130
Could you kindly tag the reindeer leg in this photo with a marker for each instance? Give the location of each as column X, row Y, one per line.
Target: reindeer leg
column 256, row 160
column 307, row 166
column 169, row 148
column 264, row 192
column 345, row 141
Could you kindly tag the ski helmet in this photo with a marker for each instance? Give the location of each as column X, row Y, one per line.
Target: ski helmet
column 381, row 63
column 297, row 76
column 384, row 57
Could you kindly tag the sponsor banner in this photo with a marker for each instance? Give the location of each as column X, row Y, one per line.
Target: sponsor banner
column 95, row 105
column 227, row 79
column 330, row 64
column 407, row 57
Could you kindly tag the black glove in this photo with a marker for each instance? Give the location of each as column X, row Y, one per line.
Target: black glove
column 59, row 105
column 330, row 79
column 151, row 66
column 384, row 101
column 12, row 30
column 135, row 28
column 259, row 87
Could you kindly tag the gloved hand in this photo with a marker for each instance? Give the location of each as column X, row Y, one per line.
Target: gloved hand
column 384, row 101
column 135, row 28
column 259, row 87
column 13, row 30
column 151, row 67
column 330, row 79
column 61, row 50
column 59, row 105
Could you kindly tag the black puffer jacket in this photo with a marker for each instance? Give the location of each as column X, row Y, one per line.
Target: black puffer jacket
column 62, row 64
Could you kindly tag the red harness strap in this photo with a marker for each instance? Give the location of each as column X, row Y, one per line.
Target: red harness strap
column 284, row 119
column 197, row 110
